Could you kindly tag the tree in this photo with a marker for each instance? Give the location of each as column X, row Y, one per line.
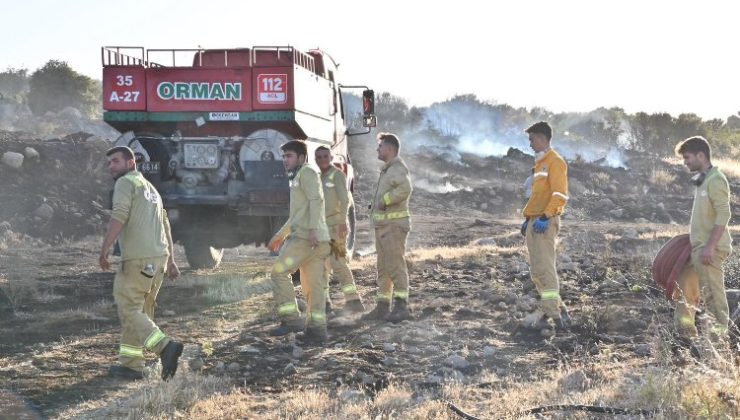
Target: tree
column 56, row 86
column 13, row 83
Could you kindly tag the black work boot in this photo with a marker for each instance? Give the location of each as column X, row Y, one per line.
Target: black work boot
column 564, row 323
column 313, row 335
column 122, row 372
column 169, row 357
column 382, row 309
column 288, row 326
column 353, row 307
column 400, row 312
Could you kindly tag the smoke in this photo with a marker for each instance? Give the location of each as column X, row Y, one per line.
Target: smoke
column 465, row 125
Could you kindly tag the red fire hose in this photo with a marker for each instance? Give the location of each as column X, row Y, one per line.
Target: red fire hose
column 670, row 262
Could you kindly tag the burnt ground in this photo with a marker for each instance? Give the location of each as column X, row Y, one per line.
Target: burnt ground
column 470, row 289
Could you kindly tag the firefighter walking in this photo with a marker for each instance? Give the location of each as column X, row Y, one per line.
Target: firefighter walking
column 338, row 199
column 303, row 244
column 711, row 243
column 546, row 203
column 392, row 222
column 140, row 224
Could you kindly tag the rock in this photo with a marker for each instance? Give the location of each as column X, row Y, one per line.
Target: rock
column 524, row 306
column 564, row 259
column 220, row 366
column 389, row 347
column 572, row 267
column 483, row 206
column 488, row 351
column 605, row 204
column 502, row 306
column 12, row 159
column 486, row 242
column 511, row 298
column 297, row 352
column 456, row 361
column 455, row 376
column 547, row 332
column 5, row 227
column 433, row 379
column 233, row 367
column 389, row 361
column 31, row 153
column 367, row 379
column 168, row 312
column 196, row 364
column 630, row 233
column 44, row 212
column 641, row 220
column 532, row 319
column 616, row 213
column 643, row 350
column 351, row 396
column 250, row 350
column 290, row 369
column 575, row 381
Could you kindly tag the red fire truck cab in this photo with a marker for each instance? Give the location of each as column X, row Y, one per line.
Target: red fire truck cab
column 207, row 125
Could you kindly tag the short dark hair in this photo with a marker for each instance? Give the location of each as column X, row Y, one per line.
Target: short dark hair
column 391, row 139
column 297, row 146
column 127, row 153
column 694, row 145
column 321, row 148
column 542, row 127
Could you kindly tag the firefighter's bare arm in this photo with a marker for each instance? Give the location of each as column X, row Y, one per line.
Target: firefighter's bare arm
column 114, row 229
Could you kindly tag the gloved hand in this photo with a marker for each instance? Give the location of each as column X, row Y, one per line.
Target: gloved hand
column 541, row 224
column 524, row 227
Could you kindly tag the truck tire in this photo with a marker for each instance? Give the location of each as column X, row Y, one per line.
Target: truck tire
column 201, row 255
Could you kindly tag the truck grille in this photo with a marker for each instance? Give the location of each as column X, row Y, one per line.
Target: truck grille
column 201, row 155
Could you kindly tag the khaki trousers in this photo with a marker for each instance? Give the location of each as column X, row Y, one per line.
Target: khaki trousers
column 340, row 267
column 297, row 254
column 135, row 290
column 541, row 247
column 698, row 280
column 393, row 275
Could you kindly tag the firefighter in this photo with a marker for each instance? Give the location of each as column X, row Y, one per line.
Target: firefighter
column 303, row 244
column 338, row 198
column 140, row 224
column 711, row 243
column 542, row 212
column 392, row 222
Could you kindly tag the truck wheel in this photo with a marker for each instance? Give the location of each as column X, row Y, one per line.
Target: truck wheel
column 201, row 255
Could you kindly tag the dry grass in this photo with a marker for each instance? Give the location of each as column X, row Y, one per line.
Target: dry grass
column 601, row 179
column 662, row 177
column 471, row 251
column 730, row 167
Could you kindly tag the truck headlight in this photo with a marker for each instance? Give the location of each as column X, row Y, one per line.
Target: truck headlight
column 201, row 155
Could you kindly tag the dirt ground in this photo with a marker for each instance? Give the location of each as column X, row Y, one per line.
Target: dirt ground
column 470, row 289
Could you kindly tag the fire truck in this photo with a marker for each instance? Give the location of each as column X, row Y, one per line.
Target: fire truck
column 206, row 127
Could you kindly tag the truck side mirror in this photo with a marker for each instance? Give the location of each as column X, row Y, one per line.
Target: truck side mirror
column 368, row 109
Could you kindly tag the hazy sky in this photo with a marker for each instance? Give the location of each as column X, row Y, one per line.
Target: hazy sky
column 668, row 56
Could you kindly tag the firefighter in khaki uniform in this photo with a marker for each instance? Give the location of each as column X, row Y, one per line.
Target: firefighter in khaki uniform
column 391, row 218
column 303, row 243
column 542, row 213
column 337, row 200
column 710, row 242
column 140, row 224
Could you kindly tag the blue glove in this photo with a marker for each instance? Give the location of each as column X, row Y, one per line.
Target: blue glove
column 524, row 227
column 541, row 224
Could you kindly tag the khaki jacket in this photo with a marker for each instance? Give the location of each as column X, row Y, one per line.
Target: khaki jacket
column 393, row 189
column 306, row 206
column 337, row 197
